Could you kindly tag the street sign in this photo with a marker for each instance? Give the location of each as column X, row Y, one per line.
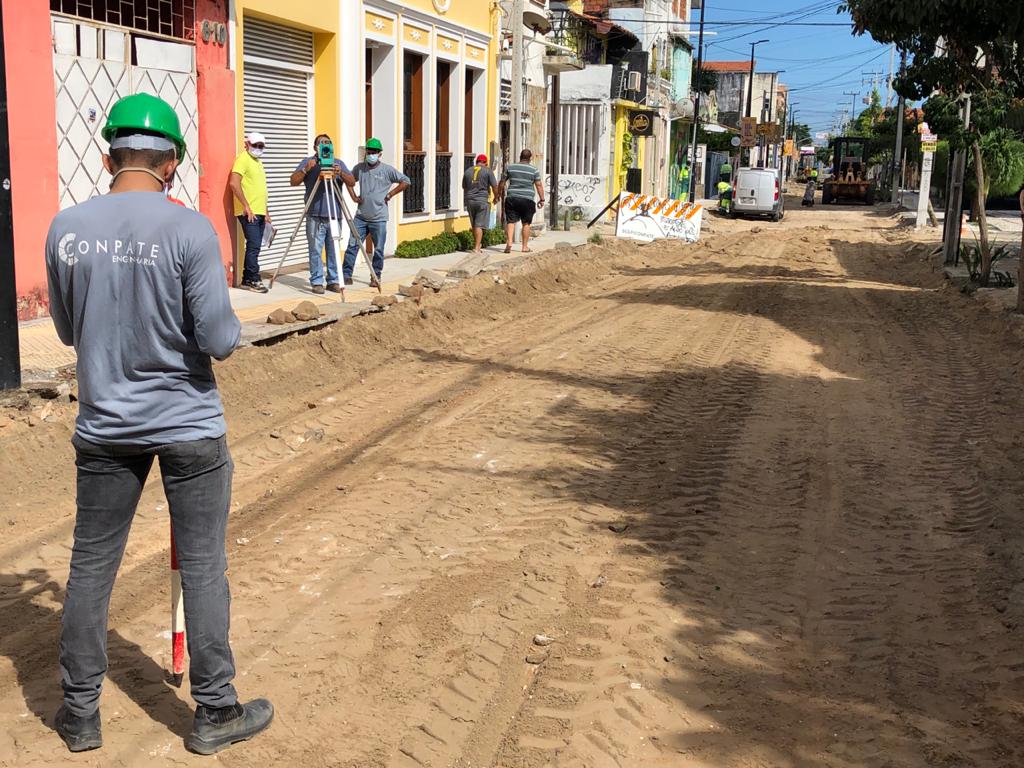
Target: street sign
column 748, row 131
column 929, row 142
column 789, row 151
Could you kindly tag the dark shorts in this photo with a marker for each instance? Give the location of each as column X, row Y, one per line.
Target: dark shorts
column 479, row 214
column 519, row 209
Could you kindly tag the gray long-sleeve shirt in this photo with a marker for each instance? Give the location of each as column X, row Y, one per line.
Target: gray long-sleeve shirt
column 137, row 287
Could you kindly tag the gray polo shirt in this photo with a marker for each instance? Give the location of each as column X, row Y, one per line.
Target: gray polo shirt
column 137, row 286
column 477, row 182
column 374, row 183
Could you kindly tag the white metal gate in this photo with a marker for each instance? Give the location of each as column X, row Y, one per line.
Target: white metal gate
column 92, row 70
column 278, row 93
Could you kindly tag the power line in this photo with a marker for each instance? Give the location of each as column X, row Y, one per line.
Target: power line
column 841, row 74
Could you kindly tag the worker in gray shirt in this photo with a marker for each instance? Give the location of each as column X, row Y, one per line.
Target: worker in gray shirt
column 478, row 184
column 378, row 183
column 138, row 287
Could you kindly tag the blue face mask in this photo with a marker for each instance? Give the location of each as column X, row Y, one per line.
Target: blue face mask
column 373, row 159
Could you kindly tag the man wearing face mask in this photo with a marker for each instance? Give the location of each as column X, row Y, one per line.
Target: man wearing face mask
column 137, row 286
column 378, row 183
column 319, row 215
column 248, row 182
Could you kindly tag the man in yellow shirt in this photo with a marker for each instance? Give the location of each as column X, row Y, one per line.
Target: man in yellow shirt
column 249, row 184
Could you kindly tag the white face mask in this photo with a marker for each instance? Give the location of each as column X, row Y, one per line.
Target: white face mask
column 373, row 159
column 256, row 152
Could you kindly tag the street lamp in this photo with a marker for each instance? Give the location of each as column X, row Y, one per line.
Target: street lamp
column 750, row 90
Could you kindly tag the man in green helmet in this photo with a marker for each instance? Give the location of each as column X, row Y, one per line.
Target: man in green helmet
column 137, row 286
column 378, row 183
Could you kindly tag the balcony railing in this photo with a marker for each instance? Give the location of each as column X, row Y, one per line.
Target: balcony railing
column 414, row 198
column 443, row 181
column 468, row 161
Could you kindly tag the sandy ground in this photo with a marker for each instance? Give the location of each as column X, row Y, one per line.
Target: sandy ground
column 763, row 492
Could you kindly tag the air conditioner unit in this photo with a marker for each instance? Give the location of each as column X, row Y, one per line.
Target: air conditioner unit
column 634, row 81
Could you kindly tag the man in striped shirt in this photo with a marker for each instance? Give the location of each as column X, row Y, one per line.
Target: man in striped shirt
column 517, row 187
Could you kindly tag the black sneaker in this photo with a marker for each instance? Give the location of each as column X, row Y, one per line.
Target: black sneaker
column 217, row 729
column 79, row 733
column 334, row 288
column 349, row 281
column 256, row 286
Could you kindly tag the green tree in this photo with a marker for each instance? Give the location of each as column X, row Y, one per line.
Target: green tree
column 801, row 134
column 954, row 47
column 866, row 123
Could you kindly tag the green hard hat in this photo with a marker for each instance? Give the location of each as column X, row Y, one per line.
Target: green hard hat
column 375, row 144
column 145, row 112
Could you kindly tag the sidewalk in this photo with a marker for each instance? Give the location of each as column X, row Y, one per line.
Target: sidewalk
column 43, row 355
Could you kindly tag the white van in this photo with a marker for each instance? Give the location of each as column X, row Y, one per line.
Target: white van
column 758, row 192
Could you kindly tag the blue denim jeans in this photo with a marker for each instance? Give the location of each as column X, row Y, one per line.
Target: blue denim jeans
column 318, row 235
column 197, row 482
column 378, row 230
column 253, row 232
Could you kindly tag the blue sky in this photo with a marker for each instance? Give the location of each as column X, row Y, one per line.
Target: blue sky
column 820, row 63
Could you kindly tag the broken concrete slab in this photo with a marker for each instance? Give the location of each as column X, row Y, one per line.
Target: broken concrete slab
column 468, row 267
column 429, row 278
column 414, row 291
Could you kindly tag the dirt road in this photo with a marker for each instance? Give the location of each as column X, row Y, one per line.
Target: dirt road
column 763, row 493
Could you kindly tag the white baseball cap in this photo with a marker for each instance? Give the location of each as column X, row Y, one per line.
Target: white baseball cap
column 255, row 137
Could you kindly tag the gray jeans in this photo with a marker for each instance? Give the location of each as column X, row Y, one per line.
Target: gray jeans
column 197, row 483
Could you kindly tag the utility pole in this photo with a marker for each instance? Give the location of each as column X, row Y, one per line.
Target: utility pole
column 555, row 155
column 516, row 111
column 853, row 114
column 10, row 356
column 897, row 158
column 892, row 68
column 696, row 102
column 750, row 90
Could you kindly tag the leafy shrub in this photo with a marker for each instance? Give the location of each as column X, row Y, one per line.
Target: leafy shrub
column 595, row 238
column 494, row 236
column 446, row 242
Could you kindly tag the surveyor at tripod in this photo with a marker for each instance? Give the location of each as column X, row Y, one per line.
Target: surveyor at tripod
column 378, row 184
column 248, row 182
column 137, row 286
column 478, row 185
column 321, row 212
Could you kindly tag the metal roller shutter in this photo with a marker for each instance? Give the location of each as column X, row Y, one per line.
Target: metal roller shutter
column 278, row 103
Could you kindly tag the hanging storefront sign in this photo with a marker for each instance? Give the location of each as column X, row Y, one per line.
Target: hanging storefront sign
column 641, row 122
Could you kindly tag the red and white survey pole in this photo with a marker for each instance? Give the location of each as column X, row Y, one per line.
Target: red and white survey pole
column 177, row 620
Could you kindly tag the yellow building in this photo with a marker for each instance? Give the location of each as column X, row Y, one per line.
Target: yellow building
column 288, row 77
column 419, row 75
column 430, row 95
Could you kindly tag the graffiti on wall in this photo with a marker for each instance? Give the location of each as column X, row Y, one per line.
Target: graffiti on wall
column 580, row 194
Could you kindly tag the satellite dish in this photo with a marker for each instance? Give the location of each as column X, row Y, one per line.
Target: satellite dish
column 536, row 21
column 735, row 141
